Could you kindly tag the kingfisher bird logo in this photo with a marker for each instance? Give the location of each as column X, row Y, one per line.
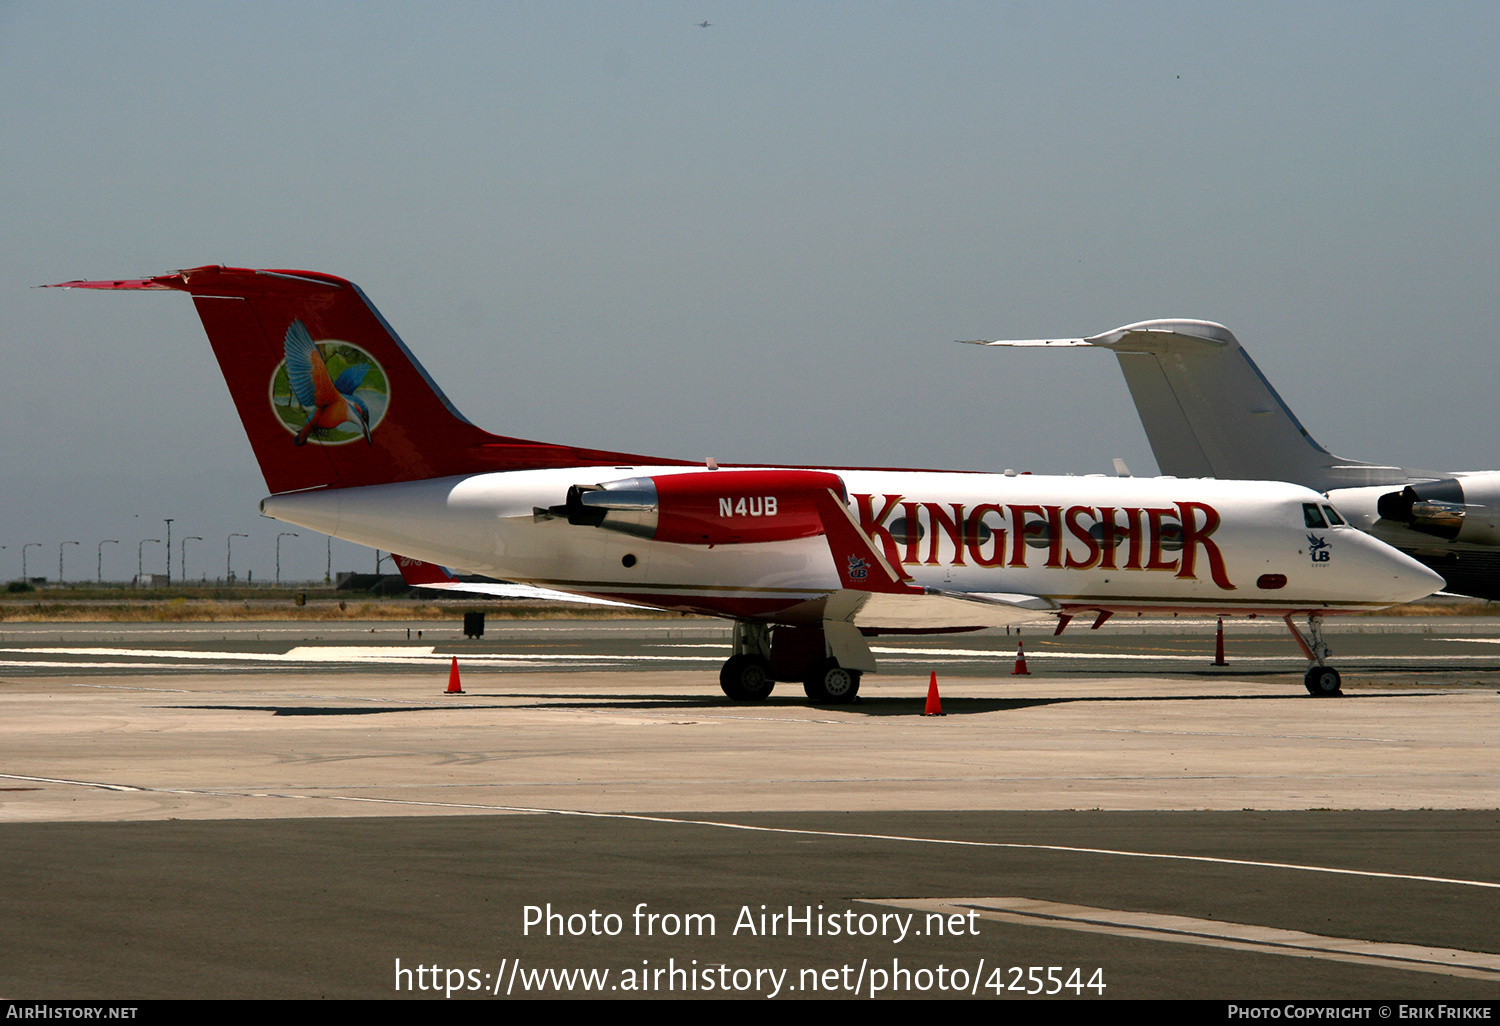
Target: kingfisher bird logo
column 327, row 392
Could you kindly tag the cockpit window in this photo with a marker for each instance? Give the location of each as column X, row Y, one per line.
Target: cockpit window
column 1334, row 520
column 1310, row 515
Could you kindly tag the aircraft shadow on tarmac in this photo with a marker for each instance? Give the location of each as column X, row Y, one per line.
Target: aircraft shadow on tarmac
column 334, row 710
column 872, row 706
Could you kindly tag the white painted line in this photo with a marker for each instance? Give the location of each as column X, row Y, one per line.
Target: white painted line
column 1211, row 933
column 1050, row 655
column 393, row 655
column 75, row 783
column 792, row 831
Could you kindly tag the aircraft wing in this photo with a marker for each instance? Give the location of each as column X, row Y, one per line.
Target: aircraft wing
column 874, row 595
column 930, row 608
column 420, row 574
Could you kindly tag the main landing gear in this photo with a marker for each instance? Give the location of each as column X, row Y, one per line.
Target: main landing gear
column 828, row 682
column 1320, row 679
column 746, row 678
column 800, row 653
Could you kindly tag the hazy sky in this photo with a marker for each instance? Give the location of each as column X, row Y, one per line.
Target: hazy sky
column 598, row 223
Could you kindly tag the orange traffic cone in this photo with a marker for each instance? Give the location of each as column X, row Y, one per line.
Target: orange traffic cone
column 934, row 703
column 1020, row 661
column 1219, row 646
column 454, row 688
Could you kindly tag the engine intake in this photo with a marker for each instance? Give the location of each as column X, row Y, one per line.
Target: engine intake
column 1453, row 509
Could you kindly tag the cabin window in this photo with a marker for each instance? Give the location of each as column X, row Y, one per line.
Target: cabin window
column 1171, row 537
column 1311, row 516
column 1038, row 534
column 1115, row 538
column 1334, row 520
column 905, row 530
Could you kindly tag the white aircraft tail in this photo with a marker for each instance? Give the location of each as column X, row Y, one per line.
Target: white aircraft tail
column 1208, row 411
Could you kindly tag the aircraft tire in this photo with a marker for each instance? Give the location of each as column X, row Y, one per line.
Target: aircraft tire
column 746, row 678
column 1322, row 680
column 828, row 683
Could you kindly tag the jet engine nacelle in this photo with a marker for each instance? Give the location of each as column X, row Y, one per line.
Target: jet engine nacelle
column 1465, row 509
column 709, row 507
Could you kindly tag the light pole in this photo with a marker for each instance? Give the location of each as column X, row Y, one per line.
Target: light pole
column 59, row 559
column 169, row 551
column 107, row 541
column 139, row 572
column 23, row 559
column 280, row 536
column 327, row 573
column 182, row 563
column 228, row 555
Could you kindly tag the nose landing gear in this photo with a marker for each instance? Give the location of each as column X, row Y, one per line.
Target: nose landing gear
column 1320, row 679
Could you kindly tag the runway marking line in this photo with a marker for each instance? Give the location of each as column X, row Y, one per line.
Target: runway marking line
column 794, row 831
column 400, row 654
column 1477, row 965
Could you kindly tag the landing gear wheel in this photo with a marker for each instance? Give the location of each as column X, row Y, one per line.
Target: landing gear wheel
column 1322, row 680
column 828, row 682
column 746, row 678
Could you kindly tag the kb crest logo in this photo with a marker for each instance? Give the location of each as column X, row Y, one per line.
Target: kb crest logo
column 1318, row 549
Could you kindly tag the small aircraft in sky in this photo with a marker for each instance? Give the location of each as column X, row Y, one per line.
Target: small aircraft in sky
column 1208, row 411
column 809, row 563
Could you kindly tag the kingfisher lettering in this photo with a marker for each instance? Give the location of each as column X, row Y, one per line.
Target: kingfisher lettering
column 1177, row 539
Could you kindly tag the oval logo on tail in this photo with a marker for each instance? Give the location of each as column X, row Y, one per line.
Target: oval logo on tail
column 328, row 392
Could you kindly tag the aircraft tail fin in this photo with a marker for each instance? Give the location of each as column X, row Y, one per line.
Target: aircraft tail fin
column 329, row 395
column 1208, row 410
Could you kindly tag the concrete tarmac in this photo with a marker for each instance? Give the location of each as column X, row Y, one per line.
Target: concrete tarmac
column 287, row 810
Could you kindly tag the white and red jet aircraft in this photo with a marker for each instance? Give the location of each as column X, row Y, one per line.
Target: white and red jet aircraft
column 356, row 441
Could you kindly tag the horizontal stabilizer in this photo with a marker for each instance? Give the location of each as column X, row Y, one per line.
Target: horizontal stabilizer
column 1026, row 342
column 420, row 574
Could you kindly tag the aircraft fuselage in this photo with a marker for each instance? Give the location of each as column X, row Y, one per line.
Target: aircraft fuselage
column 1190, row 545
